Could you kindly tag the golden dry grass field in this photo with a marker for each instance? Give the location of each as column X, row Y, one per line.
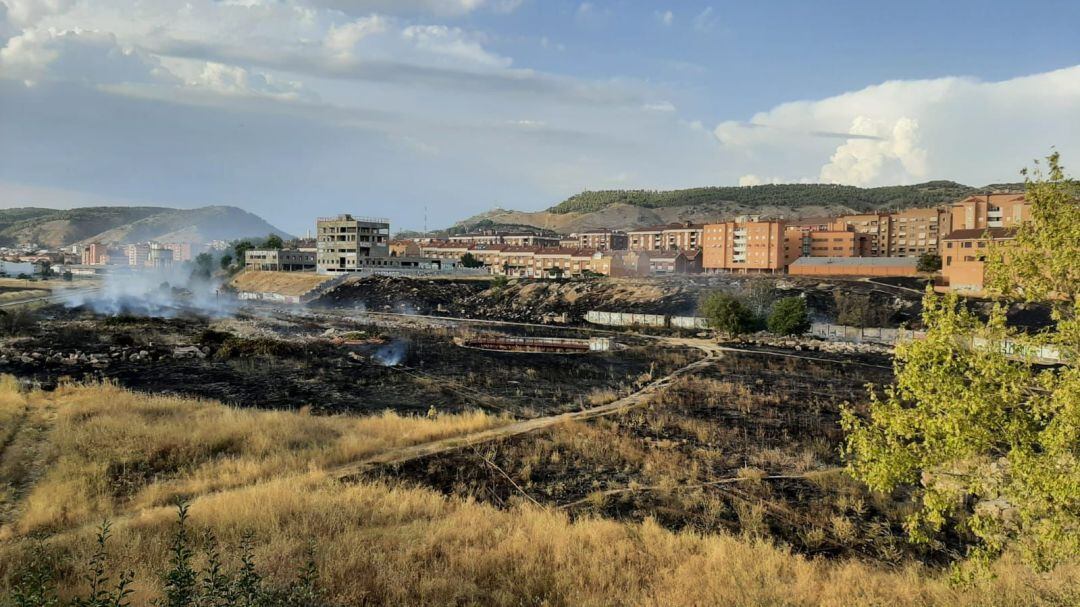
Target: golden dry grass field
column 85, row 452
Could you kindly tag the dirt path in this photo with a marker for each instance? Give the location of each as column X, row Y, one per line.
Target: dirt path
column 404, row 454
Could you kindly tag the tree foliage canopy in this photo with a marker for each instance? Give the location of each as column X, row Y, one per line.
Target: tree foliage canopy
column 985, row 441
column 274, row 241
column 789, row 317
column 727, row 313
column 793, row 195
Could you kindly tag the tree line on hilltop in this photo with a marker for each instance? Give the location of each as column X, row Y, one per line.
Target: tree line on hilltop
column 791, row 195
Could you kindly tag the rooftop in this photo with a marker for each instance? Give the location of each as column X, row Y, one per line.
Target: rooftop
column 980, row 234
column 883, row 262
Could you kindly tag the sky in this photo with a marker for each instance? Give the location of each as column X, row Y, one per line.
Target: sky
column 429, row 111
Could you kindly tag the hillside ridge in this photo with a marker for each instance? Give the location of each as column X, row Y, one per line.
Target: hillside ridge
column 123, row 224
column 628, row 209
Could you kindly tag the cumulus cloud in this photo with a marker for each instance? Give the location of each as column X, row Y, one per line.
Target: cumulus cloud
column 881, row 151
column 80, row 55
column 906, row 131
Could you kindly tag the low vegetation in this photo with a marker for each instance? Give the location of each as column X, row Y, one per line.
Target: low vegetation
column 108, row 450
column 859, row 310
column 262, row 507
column 986, row 441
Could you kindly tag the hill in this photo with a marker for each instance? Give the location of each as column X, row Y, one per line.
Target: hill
column 115, row 225
column 626, row 209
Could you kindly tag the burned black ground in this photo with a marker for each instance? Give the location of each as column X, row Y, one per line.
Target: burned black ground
column 293, row 362
column 766, row 427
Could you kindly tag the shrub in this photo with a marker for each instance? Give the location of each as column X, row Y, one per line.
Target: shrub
column 184, row 585
column 728, row 314
column 469, row 260
column 789, row 317
column 17, row 321
column 929, row 262
column 857, row 310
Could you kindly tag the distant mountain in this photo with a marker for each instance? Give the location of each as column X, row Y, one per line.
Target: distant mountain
column 119, row 225
column 627, row 209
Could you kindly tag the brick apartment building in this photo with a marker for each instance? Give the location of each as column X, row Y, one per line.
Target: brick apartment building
column 535, row 262
column 95, row 254
column 746, row 245
column 667, row 237
column 989, row 211
column 603, row 240
column 963, row 260
column 518, row 239
column 907, row 233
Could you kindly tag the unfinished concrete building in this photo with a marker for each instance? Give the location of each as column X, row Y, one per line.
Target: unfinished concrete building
column 280, row 260
column 344, row 241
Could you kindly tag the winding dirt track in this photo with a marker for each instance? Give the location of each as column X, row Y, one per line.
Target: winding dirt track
column 404, row 454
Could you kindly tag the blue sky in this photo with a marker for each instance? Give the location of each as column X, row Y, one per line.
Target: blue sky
column 296, row 108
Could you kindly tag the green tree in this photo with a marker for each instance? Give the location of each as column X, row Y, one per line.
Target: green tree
column 789, row 317
column 468, row 260
column 203, row 267
column 274, row 241
column 727, row 313
column 929, row 262
column 987, row 442
column 225, row 261
column 240, row 249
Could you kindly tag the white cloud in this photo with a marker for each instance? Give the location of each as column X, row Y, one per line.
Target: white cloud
column 706, row 20
column 28, row 12
column 77, row 55
column 234, row 80
column 340, row 40
column 452, row 43
column 666, row 18
column 884, row 153
column 435, row 7
column 659, row 106
column 907, row 131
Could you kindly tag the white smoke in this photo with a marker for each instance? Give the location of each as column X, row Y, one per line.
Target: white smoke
column 155, row 292
column 392, row 353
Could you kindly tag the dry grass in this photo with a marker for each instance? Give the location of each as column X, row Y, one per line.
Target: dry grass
column 283, row 283
column 111, row 449
column 384, row 545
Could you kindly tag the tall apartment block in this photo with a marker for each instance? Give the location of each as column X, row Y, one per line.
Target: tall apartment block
column 908, row 233
column 989, row 211
column 746, row 245
column 344, row 241
column 667, row 237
